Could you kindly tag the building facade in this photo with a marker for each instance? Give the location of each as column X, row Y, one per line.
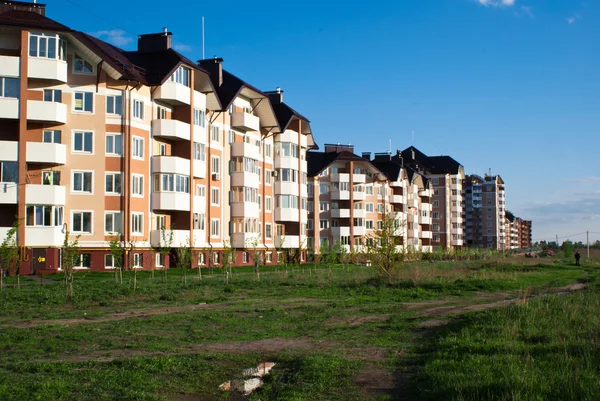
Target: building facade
column 143, row 146
column 485, row 212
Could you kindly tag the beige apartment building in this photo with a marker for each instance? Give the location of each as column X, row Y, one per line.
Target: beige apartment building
column 348, row 196
column 485, row 212
column 103, row 143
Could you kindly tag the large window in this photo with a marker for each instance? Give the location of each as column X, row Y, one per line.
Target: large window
column 84, row 101
column 82, row 181
column 113, row 183
column 81, row 222
column 51, row 136
column 9, row 171
column 114, row 145
column 114, row 104
column 138, row 147
column 286, row 149
column 137, row 185
column 113, row 222
column 171, row 183
column 215, row 227
column 80, row 66
column 44, row 216
column 214, row 134
column 138, row 109
column 137, row 223
column 245, row 194
column 199, row 221
column 215, row 162
column 199, row 117
column 244, row 164
column 199, row 151
column 287, row 175
column 83, row 261
column 286, row 201
column 181, row 76
column 9, row 87
column 83, row 142
column 47, row 46
column 215, row 196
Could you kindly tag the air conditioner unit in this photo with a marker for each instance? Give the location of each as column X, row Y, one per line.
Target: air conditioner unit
column 216, row 177
column 274, row 173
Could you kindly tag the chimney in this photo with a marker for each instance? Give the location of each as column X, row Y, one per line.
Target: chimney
column 276, row 97
column 366, row 155
column 23, row 6
column 155, row 42
column 214, row 66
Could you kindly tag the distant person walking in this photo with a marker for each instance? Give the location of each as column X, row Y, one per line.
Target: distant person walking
column 577, row 257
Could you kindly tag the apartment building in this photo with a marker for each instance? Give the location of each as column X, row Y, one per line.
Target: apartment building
column 142, row 145
column 446, row 176
column 348, row 196
column 485, row 212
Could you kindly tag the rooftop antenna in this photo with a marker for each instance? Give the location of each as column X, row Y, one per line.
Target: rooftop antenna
column 413, row 137
column 203, row 37
column 390, row 148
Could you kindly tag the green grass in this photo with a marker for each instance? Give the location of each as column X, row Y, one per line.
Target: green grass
column 334, row 323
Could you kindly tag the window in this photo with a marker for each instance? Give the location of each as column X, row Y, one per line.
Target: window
column 171, row 183
column 369, row 190
column 181, row 76
column 83, row 261
column 138, row 147
column 268, row 150
column 323, row 224
column 162, row 149
column 9, row 87
column 214, row 196
column 199, row 117
column 50, row 177
column 199, row 221
column 114, row 104
column 436, row 192
column 80, row 66
column 83, row 142
column 51, row 136
column 310, row 206
column 435, row 227
column 44, row 216
column 214, row 227
column 113, row 222
column 268, row 203
column 200, row 190
column 109, row 261
column 323, row 206
column 114, row 145
column 436, row 203
column 215, row 162
column 84, row 101
column 370, row 224
column 137, row 260
column 369, row 206
column 286, row 201
column 230, row 137
column 269, row 257
column 160, row 259
column 47, row 46
column 199, row 151
column 52, row 95
column 137, row 223
column 137, row 185
column 81, row 222
column 335, row 223
column 113, row 183
column 435, row 215
column 435, row 180
column 380, row 208
column 161, row 113
column 201, row 259
column 324, row 188
column 309, row 224
column 268, row 230
column 138, row 109
column 82, row 182
column 214, row 134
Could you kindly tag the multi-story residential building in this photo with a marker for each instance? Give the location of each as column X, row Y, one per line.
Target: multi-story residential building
column 525, row 233
column 349, row 195
column 485, row 209
column 446, row 176
column 140, row 145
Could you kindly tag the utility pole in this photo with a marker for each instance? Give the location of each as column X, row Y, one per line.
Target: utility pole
column 557, row 242
column 587, row 235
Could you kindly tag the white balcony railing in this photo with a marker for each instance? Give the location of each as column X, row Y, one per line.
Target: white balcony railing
column 173, row 93
column 47, row 68
column 52, row 112
column 243, row 149
column 41, row 152
column 160, row 238
column 9, row 108
column 44, row 236
column 244, row 121
column 340, row 213
column 174, row 130
column 171, row 165
column 245, row 209
column 8, row 194
column 171, row 201
column 9, row 151
column 45, row 194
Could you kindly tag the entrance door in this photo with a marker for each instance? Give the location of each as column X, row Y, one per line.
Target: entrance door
column 39, row 259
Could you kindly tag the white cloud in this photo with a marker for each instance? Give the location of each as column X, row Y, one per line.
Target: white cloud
column 497, row 3
column 117, row 37
column 571, row 20
column 180, row 47
column 528, row 11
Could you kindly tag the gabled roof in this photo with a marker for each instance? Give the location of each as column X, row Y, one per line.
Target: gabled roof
column 390, row 168
column 28, row 19
column 160, row 65
column 430, row 164
column 319, row 161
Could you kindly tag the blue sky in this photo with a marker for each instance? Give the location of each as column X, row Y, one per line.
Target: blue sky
column 507, row 85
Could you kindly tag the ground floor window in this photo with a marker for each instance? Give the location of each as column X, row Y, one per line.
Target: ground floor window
column 269, row 257
column 83, row 261
column 160, row 260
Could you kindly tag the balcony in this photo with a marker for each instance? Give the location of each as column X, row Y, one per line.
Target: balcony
column 414, row 202
column 50, row 153
column 339, row 195
column 359, row 178
column 44, row 236
column 341, row 231
column 245, row 209
column 199, row 169
column 244, row 121
column 341, row 177
column 50, row 112
column 286, row 162
column 173, row 93
column 426, row 234
column 359, row 231
column 241, row 240
column 174, row 130
column 9, row 66
column 456, row 242
column 412, row 218
column 246, row 179
column 397, row 199
column 199, row 204
column 414, row 233
column 359, row 195
column 180, row 238
column 360, row 213
column 286, row 188
column 199, row 134
column 170, row 165
column 9, row 108
column 243, row 149
column 171, row 201
column 4, row 232
column 286, row 214
column 47, row 68
column 287, row 241
column 424, row 219
column 8, row 194
column 45, row 194
column 340, row 213
column 9, row 151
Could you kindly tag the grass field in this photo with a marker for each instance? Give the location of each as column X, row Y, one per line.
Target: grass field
column 506, row 329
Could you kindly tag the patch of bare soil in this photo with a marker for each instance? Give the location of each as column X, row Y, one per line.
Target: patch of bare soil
column 270, row 345
column 375, row 382
column 353, row 321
